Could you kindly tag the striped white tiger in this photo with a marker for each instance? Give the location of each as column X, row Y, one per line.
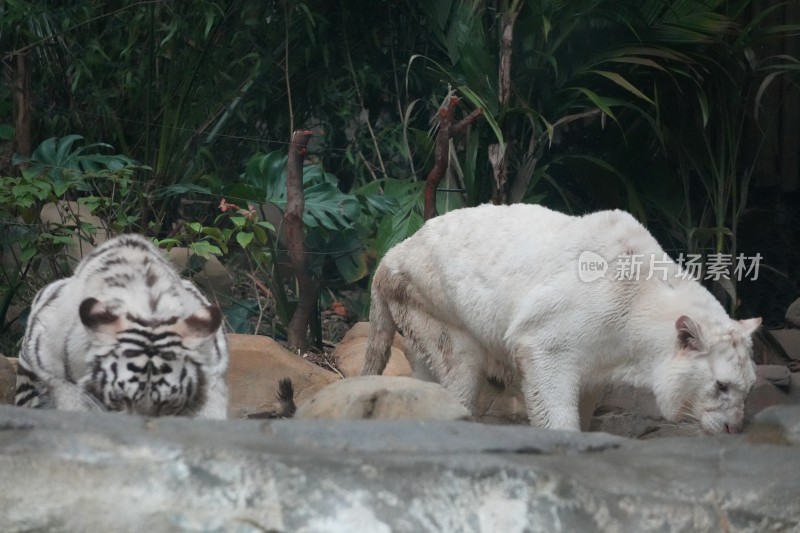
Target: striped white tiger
column 124, row 333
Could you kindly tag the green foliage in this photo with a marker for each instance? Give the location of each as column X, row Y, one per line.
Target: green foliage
column 56, row 158
column 55, row 172
column 716, row 142
column 337, row 223
column 327, row 207
column 582, row 71
column 238, row 230
column 646, row 105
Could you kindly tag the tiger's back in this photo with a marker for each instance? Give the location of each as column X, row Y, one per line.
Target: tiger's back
column 124, row 333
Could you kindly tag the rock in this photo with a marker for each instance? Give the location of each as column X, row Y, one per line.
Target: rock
column 500, row 405
column 495, row 405
column 256, row 365
column 778, row 375
column 214, row 278
column 789, row 339
column 68, row 213
column 632, row 412
column 350, row 353
column 763, row 394
column 8, row 380
column 383, row 398
column 177, row 474
column 793, row 314
column 776, row 425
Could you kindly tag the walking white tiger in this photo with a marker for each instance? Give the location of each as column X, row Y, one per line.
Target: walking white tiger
column 124, row 333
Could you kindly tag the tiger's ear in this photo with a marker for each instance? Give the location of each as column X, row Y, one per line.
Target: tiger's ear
column 749, row 326
column 98, row 318
column 690, row 335
column 199, row 327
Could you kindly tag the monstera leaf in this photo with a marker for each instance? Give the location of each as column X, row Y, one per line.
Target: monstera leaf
column 56, row 155
column 326, row 206
column 335, row 221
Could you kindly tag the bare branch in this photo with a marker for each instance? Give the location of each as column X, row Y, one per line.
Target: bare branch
column 295, row 241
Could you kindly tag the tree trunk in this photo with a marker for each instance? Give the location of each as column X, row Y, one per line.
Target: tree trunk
column 22, row 115
column 295, row 241
column 497, row 153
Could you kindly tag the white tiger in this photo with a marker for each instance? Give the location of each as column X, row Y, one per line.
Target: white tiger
column 489, row 291
column 124, row 333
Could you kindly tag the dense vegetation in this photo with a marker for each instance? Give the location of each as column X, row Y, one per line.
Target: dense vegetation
column 154, row 115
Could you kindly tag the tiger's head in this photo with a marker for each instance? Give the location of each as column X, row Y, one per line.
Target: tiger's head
column 710, row 375
column 144, row 366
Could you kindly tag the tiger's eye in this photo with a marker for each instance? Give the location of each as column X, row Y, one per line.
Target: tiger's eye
column 722, row 387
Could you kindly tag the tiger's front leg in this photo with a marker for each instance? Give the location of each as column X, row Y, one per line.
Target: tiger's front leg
column 216, row 404
column 67, row 396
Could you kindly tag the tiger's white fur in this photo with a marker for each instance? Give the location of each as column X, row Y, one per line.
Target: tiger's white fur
column 124, row 333
column 487, row 291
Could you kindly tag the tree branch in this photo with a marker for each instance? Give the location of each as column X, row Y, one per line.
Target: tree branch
column 447, row 130
column 442, row 152
column 463, row 124
column 295, row 241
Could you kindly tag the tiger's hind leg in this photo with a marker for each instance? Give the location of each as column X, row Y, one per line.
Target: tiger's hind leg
column 30, row 390
column 442, row 353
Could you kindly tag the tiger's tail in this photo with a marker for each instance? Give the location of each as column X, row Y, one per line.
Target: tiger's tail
column 381, row 327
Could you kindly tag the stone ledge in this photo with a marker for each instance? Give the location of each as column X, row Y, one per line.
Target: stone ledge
column 65, row 472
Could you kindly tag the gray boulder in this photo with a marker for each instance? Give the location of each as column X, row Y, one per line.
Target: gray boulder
column 101, row 472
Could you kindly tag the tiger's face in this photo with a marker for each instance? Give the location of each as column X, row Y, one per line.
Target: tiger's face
column 145, row 367
column 147, row 380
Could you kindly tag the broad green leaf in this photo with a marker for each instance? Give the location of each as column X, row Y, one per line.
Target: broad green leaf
column 266, row 225
column 239, row 222
column 328, row 207
column 214, row 232
column 394, row 229
column 46, row 151
column 205, row 249
column 244, row 238
column 64, row 147
column 260, row 234
column 28, row 253
column 352, row 267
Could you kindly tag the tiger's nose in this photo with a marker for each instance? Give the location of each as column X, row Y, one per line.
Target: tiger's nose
column 733, row 428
